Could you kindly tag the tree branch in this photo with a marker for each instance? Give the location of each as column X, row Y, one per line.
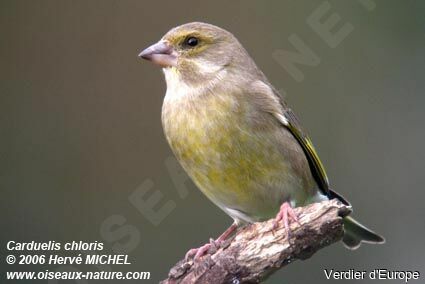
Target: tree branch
column 258, row 250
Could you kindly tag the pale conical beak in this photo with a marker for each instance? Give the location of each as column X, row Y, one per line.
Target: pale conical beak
column 160, row 53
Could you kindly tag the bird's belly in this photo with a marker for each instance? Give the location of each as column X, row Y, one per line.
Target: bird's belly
column 239, row 168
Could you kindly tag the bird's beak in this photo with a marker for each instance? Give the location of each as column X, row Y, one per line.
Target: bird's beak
column 160, row 53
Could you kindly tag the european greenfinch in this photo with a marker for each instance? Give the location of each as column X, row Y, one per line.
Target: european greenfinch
column 235, row 136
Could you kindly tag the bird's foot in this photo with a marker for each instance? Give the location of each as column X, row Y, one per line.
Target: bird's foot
column 201, row 251
column 196, row 253
column 285, row 214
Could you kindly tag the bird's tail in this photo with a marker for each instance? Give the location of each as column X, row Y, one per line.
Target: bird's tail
column 356, row 233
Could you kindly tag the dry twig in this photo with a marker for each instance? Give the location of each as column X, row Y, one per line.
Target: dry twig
column 257, row 250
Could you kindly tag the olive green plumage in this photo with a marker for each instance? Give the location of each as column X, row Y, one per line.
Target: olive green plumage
column 232, row 133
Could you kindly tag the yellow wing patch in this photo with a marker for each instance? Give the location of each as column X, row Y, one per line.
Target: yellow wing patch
column 317, row 168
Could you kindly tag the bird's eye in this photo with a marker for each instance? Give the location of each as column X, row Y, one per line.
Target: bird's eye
column 192, row 41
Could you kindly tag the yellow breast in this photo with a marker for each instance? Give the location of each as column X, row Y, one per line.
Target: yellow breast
column 216, row 145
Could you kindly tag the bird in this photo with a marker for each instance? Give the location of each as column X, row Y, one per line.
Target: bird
column 235, row 136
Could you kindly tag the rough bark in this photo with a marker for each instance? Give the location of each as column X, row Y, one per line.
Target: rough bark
column 258, row 250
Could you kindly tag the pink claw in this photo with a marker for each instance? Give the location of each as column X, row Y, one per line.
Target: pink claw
column 198, row 252
column 201, row 251
column 285, row 214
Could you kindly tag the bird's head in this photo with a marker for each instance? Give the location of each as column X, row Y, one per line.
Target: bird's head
column 197, row 52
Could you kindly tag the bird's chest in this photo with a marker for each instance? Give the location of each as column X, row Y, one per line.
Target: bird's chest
column 217, row 147
column 201, row 132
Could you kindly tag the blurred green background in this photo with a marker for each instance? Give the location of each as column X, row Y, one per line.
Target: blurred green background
column 81, row 132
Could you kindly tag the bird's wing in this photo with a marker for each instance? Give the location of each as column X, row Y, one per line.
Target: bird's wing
column 289, row 119
column 318, row 170
column 271, row 102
